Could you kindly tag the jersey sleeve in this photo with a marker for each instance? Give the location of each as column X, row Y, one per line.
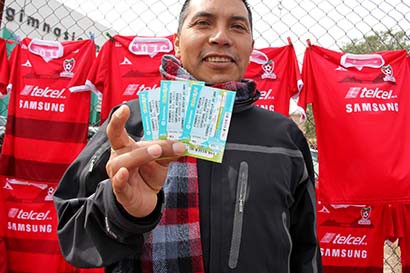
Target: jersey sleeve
column 4, row 68
column 306, row 95
column 296, row 82
column 13, row 71
column 96, row 78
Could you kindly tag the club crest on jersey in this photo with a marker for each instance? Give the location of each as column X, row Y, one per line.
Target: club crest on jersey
column 365, row 214
column 68, row 66
column 50, row 193
column 388, row 73
column 268, row 70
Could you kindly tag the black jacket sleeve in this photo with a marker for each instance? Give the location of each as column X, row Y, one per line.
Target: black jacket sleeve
column 305, row 257
column 93, row 229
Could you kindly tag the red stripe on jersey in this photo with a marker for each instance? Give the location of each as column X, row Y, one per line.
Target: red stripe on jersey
column 38, row 263
column 40, row 129
column 42, row 150
column 28, row 245
column 31, row 170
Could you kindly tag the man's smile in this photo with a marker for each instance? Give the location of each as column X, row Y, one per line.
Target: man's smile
column 217, row 59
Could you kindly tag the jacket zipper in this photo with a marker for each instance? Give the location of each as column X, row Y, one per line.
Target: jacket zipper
column 97, row 155
column 241, row 193
column 285, row 226
column 91, row 163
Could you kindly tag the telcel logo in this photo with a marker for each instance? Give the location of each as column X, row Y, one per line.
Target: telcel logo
column 28, row 215
column 367, row 93
column 134, row 89
column 339, row 239
column 267, row 95
column 46, row 92
column 376, row 93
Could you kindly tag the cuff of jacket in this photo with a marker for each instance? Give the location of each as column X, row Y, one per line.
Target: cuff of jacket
column 118, row 220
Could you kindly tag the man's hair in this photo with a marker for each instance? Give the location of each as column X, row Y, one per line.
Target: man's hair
column 184, row 12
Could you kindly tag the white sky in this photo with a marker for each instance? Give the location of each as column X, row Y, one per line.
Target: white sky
column 327, row 23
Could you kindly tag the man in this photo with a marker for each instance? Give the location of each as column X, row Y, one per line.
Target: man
column 254, row 212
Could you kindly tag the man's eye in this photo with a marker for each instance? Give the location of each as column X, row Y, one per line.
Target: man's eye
column 202, row 23
column 240, row 27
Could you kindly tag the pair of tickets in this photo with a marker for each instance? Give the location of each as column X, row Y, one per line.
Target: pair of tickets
column 190, row 112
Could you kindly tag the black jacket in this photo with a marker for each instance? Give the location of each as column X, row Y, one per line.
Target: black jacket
column 271, row 230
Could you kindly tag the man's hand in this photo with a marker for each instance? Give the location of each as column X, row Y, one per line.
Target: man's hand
column 137, row 169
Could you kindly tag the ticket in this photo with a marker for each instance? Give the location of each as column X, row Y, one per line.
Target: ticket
column 207, row 122
column 174, row 97
column 149, row 104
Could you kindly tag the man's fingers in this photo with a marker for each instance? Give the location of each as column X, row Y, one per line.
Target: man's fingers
column 120, row 180
column 154, row 175
column 162, row 149
column 116, row 128
column 120, row 184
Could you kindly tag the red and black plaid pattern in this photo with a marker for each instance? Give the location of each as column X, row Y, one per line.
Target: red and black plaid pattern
column 175, row 244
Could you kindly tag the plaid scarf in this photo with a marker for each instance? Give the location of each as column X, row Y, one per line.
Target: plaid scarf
column 171, row 69
column 174, row 245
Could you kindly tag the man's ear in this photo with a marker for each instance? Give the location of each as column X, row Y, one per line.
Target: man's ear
column 176, row 45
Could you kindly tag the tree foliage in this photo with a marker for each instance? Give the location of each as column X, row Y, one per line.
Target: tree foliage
column 379, row 41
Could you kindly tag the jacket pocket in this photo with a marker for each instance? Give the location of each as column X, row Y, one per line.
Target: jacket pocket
column 241, row 192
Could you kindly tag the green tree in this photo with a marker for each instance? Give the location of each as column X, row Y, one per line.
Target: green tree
column 379, row 41
column 310, row 127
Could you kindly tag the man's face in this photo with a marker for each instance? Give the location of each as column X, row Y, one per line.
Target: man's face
column 215, row 41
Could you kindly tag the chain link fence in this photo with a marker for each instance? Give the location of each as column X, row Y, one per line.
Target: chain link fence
column 356, row 26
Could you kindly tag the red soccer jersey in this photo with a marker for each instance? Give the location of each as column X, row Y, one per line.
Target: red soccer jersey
column 351, row 238
column 31, row 223
column 276, row 73
column 4, row 68
column 47, row 123
column 361, row 109
column 125, row 66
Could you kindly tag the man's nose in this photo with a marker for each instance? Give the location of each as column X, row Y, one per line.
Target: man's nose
column 220, row 37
